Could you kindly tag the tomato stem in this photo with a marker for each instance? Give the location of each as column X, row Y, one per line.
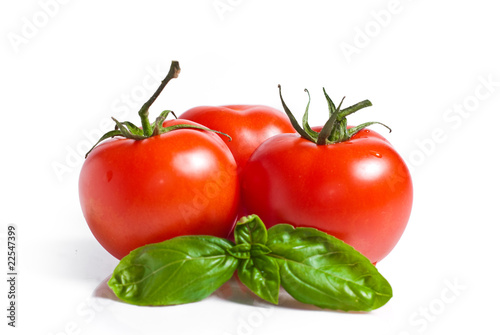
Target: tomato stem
column 129, row 130
column 144, row 111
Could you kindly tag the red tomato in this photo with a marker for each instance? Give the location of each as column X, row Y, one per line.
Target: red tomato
column 248, row 125
column 359, row 190
column 183, row 182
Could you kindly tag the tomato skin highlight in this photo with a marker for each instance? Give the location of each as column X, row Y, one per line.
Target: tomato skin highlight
column 183, row 182
column 359, row 191
column 248, row 125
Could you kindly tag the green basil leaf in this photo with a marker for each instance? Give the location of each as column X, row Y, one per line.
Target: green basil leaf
column 245, row 251
column 261, row 275
column 258, row 249
column 250, row 229
column 177, row 271
column 241, row 251
column 319, row 269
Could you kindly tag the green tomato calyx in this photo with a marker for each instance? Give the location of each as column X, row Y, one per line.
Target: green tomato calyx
column 335, row 129
column 131, row 131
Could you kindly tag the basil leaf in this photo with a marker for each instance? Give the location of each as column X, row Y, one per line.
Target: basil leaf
column 180, row 270
column 258, row 249
column 261, row 275
column 246, row 250
column 241, row 251
column 250, row 229
column 319, row 269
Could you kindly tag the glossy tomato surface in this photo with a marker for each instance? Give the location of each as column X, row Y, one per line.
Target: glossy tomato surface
column 248, row 125
column 183, row 182
column 359, row 191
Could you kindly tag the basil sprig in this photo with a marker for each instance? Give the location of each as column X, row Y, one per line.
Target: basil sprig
column 312, row 266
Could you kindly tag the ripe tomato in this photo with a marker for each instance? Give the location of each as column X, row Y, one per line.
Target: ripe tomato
column 358, row 189
column 248, row 125
column 182, row 182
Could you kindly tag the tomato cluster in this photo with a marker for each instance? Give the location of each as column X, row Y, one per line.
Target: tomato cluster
column 179, row 177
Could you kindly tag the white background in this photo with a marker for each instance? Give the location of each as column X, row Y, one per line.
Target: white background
column 431, row 70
